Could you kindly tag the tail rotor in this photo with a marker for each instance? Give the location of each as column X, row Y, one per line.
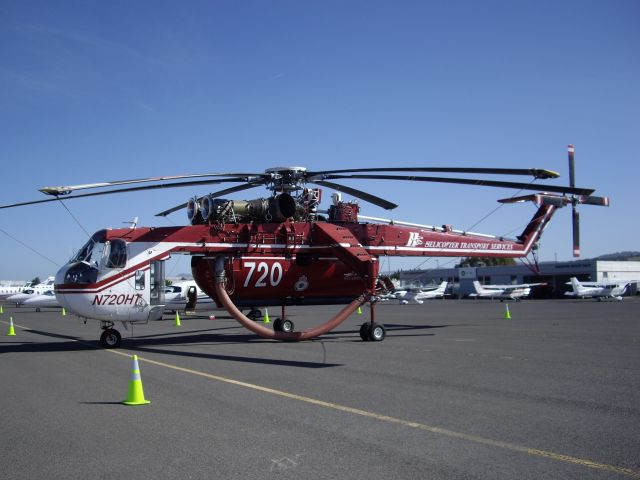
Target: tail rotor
column 579, row 199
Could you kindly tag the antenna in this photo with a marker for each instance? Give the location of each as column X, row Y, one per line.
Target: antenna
column 133, row 223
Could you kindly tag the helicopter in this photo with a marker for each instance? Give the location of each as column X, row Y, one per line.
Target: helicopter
column 282, row 250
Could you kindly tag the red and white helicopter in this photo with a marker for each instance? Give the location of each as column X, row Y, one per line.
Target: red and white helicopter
column 280, row 250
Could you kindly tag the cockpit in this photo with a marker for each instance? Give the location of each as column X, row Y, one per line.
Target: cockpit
column 96, row 254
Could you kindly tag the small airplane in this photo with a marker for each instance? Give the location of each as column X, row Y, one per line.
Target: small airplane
column 46, row 299
column 599, row 291
column 503, row 292
column 421, row 294
column 8, row 288
column 28, row 292
column 281, row 250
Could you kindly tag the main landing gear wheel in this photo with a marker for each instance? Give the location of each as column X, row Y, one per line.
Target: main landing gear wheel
column 364, row 331
column 283, row 325
column 110, row 338
column 254, row 314
column 372, row 332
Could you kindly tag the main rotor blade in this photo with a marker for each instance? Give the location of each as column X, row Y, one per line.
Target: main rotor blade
column 537, row 173
column 470, row 181
column 576, row 231
column 65, row 190
column 219, row 193
column 367, row 197
column 125, row 190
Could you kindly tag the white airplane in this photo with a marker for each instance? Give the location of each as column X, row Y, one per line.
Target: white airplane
column 422, row 294
column 392, row 295
column 47, row 299
column 28, row 292
column 8, row 287
column 597, row 290
column 503, row 292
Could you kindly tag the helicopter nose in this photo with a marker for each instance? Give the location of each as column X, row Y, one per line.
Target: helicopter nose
column 58, row 282
column 60, row 275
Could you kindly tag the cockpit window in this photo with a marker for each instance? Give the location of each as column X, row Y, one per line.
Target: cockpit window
column 84, row 254
column 117, row 254
column 90, row 253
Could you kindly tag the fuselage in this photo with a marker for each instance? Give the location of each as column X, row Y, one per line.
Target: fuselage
column 119, row 274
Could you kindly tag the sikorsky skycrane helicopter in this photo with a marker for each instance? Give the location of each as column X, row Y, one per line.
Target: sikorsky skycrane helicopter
column 281, row 250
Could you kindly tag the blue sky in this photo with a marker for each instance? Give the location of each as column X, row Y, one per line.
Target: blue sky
column 94, row 91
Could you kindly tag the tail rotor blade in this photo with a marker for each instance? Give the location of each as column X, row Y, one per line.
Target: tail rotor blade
column 572, row 171
column 593, row 200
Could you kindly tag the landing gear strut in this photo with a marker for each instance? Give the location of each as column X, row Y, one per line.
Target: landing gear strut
column 110, row 337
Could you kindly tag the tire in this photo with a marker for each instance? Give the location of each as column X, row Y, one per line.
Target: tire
column 377, row 332
column 110, row 338
column 287, row 325
column 283, row 325
column 364, row 331
column 277, row 325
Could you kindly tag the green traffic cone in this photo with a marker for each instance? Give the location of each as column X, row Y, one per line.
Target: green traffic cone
column 136, row 394
column 11, row 332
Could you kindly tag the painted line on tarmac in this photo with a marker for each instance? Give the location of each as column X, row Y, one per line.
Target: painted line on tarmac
column 398, row 421
column 384, row 418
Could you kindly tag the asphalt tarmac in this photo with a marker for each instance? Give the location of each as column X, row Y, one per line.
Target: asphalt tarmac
column 456, row 391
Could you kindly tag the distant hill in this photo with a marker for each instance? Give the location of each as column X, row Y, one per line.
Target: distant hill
column 620, row 257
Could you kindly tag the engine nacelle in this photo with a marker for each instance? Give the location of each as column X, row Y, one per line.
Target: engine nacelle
column 219, row 210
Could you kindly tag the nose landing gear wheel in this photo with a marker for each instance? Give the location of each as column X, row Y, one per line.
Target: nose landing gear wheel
column 110, row 338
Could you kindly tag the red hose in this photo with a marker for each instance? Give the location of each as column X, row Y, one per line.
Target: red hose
column 265, row 332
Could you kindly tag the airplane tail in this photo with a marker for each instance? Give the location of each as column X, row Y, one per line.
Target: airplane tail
column 442, row 287
column 477, row 287
column 575, row 284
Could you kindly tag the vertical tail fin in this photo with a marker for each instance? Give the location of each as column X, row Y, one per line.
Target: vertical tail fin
column 575, row 284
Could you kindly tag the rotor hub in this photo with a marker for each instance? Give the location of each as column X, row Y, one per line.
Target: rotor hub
column 286, row 179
